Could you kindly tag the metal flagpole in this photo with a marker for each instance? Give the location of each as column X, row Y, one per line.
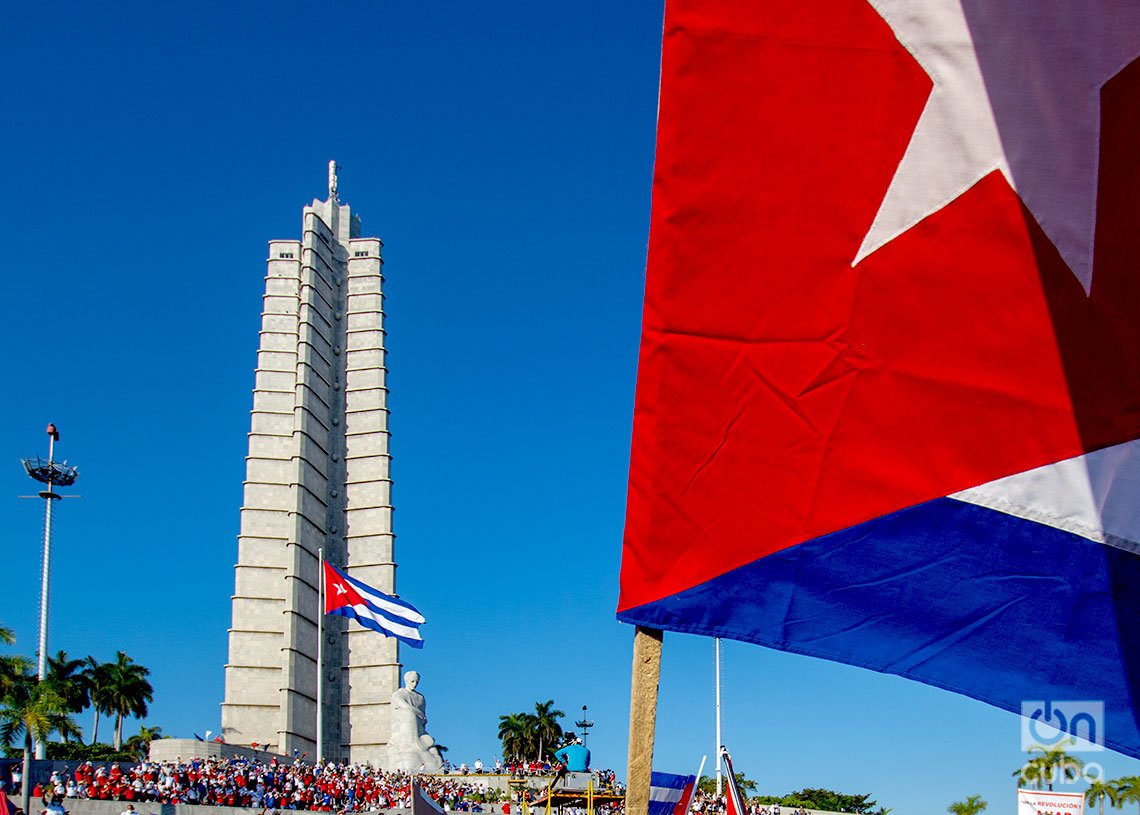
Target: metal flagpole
column 716, row 650
column 320, row 651
column 697, row 782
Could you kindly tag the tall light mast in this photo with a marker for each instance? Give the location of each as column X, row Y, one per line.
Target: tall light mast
column 53, row 474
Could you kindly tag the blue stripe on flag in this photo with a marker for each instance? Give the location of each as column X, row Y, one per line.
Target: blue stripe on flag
column 669, row 780
column 391, row 618
column 396, row 607
column 665, row 791
column 351, row 612
column 947, row 593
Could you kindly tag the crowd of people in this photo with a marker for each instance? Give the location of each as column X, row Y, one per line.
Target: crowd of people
column 267, row 785
column 283, row 785
column 276, row 785
column 710, row 804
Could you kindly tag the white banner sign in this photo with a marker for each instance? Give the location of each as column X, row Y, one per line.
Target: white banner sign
column 1032, row 802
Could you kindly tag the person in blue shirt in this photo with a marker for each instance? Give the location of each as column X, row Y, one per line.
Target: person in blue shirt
column 574, row 756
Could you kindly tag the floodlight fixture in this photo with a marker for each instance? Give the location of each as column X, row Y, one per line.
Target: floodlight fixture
column 584, row 724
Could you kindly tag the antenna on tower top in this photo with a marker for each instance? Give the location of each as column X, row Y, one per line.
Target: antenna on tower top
column 332, row 180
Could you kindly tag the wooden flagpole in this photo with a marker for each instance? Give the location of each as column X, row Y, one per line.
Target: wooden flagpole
column 642, row 718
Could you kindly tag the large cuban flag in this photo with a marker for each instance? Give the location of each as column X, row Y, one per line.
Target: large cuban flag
column 888, row 400
column 348, row 597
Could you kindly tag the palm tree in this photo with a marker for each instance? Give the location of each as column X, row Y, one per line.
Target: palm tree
column 11, row 667
column 94, row 677
column 67, row 679
column 547, row 730
column 138, row 745
column 127, row 691
column 31, row 711
column 1032, row 772
column 1099, row 790
column 971, row 806
column 1128, row 790
column 515, row 731
column 1056, row 762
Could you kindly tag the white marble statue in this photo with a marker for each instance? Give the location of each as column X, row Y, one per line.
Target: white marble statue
column 409, row 746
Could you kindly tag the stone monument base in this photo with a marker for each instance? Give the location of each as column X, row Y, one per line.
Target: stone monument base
column 176, row 749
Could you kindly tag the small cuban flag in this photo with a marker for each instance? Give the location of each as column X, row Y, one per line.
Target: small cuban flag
column 670, row 794
column 373, row 609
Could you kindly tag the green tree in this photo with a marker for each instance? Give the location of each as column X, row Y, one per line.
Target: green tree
column 31, row 712
column 1032, row 772
column 94, row 677
column 127, row 691
column 1128, row 790
column 971, row 806
column 1056, row 763
column 12, row 667
column 1099, row 790
column 138, row 745
column 68, row 681
column 547, row 730
column 74, row 751
column 707, row 784
column 515, row 732
column 814, row 798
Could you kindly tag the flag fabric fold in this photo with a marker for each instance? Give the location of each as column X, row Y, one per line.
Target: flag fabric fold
column 383, row 613
column 670, row 794
column 888, row 402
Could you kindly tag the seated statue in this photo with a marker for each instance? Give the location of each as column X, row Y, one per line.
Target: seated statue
column 410, row 748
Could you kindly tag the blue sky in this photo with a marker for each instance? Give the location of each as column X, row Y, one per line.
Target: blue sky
column 504, row 153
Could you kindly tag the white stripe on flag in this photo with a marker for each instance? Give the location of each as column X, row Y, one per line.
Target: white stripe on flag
column 410, row 631
column 385, row 603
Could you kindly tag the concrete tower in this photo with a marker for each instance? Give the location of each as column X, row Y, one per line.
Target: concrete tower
column 317, row 476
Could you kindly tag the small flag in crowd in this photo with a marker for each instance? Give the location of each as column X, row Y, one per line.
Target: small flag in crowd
column 734, row 802
column 670, row 794
column 371, row 608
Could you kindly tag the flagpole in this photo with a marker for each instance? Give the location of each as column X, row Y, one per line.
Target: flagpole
column 642, row 718
column 697, row 783
column 716, row 652
column 700, row 771
column 320, row 651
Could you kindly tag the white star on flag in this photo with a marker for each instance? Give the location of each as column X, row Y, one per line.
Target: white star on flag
column 340, row 589
column 1016, row 89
